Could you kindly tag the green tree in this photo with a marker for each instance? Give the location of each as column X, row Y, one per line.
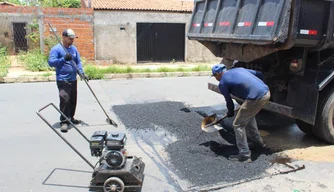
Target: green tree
column 48, row 3
column 33, row 34
column 17, row 2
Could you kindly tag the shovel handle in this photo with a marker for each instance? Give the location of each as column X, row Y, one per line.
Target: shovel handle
column 219, row 120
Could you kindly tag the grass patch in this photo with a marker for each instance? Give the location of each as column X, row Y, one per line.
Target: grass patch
column 145, row 70
column 4, row 65
column 34, row 60
column 180, row 69
column 164, row 70
column 4, row 61
column 47, row 74
column 95, row 72
column 201, row 68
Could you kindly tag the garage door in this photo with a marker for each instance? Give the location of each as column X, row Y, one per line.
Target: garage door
column 160, row 42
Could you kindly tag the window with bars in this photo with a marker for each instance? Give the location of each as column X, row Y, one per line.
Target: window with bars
column 20, row 41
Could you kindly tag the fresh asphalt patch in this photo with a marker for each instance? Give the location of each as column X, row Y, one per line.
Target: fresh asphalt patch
column 200, row 159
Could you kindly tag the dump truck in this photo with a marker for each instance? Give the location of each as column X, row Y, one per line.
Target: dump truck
column 290, row 41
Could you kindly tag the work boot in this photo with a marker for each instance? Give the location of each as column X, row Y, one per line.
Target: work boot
column 75, row 121
column 240, row 157
column 63, row 127
column 256, row 145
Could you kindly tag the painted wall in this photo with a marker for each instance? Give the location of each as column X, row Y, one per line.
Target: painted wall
column 100, row 37
column 120, row 46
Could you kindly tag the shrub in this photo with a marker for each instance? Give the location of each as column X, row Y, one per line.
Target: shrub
column 4, row 61
column 49, row 42
column 34, row 60
column 93, row 72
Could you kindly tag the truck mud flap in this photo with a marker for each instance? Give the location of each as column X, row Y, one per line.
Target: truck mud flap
column 303, row 98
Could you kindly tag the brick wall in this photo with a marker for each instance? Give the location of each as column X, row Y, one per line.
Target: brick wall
column 81, row 20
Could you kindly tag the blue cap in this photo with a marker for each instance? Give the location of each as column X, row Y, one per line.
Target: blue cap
column 218, row 68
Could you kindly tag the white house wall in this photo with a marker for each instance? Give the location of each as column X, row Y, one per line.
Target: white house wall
column 112, row 43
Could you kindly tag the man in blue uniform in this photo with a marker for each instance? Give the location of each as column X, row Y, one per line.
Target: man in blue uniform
column 247, row 85
column 66, row 75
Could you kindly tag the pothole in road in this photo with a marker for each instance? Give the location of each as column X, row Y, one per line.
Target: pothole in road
column 198, row 158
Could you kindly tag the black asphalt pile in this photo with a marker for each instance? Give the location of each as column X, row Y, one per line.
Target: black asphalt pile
column 199, row 158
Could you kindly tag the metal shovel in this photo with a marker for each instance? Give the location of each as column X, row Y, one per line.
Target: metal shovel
column 209, row 123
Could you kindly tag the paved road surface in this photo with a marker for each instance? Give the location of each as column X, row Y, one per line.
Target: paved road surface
column 161, row 117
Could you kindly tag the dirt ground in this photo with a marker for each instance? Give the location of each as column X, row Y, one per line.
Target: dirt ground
column 318, row 154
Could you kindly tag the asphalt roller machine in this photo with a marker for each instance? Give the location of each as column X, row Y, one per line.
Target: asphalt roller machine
column 115, row 171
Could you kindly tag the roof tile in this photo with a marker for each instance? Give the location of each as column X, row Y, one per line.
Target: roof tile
column 147, row 5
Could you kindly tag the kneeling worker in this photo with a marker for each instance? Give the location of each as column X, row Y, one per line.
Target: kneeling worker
column 247, row 85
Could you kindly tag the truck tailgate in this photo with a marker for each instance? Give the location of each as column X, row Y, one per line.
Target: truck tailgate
column 309, row 23
column 258, row 22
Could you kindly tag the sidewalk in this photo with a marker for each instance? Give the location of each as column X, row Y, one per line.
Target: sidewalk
column 17, row 74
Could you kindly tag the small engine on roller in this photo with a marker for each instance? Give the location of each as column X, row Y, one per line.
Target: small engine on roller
column 117, row 171
column 110, row 147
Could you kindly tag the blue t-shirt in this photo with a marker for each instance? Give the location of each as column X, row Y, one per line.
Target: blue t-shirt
column 65, row 71
column 242, row 83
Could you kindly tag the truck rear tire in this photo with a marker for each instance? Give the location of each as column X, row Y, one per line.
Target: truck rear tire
column 305, row 127
column 324, row 128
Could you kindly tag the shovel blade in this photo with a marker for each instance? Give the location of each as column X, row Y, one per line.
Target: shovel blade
column 211, row 129
column 208, row 124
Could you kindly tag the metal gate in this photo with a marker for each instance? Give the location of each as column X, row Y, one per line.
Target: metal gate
column 20, row 40
column 160, row 42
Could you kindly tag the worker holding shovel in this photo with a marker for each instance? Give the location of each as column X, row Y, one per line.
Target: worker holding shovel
column 247, row 85
column 66, row 75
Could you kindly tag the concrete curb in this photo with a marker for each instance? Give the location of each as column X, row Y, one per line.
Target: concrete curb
column 37, row 78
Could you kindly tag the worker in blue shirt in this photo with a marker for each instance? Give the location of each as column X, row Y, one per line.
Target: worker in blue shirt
column 66, row 75
column 247, row 85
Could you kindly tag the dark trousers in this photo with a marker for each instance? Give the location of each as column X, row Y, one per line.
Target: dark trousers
column 68, row 98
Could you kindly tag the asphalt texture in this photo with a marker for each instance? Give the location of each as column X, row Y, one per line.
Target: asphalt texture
column 198, row 157
column 161, row 117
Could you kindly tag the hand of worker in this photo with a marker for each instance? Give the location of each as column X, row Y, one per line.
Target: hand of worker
column 68, row 57
column 86, row 77
column 230, row 114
